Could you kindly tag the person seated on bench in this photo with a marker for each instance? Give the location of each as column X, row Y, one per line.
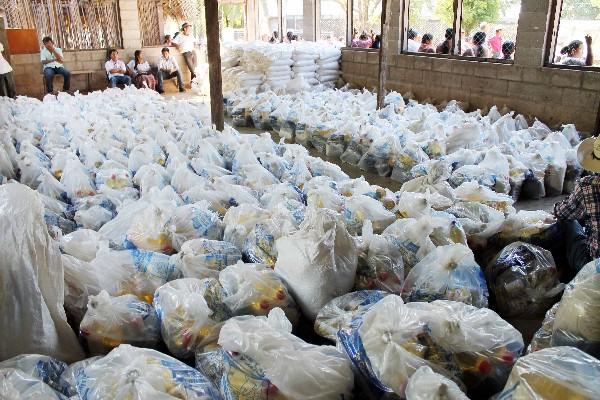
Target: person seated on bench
column 116, row 70
column 167, row 69
column 52, row 60
column 141, row 71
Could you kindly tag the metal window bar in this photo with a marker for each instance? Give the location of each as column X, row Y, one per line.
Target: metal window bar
column 72, row 24
column 149, row 22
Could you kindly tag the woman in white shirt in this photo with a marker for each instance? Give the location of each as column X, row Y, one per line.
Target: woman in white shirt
column 141, row 72
column 7, row 84
column 573, row 53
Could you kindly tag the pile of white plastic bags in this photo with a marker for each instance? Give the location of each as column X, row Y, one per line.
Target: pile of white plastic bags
column 151, row 231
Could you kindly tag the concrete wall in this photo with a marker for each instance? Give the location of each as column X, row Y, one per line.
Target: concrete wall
column 27, row 67
column 554, row 96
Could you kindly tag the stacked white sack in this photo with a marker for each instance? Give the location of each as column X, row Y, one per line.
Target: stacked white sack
column 305, row 66
column 328, row 64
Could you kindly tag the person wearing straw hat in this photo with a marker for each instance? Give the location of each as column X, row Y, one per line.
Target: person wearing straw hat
column 186, row 44
column 582, row 245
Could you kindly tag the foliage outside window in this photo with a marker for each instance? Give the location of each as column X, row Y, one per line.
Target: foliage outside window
column 490, row 17
column 232, row 21
column 366, row 17
column 574, row 20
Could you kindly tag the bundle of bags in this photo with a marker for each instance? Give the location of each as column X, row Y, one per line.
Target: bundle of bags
column 499, row 150
column 215, row 244
column 279, row 67
column 472, row 346
column 255, row 356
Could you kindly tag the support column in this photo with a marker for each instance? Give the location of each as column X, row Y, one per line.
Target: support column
column 251, row 10
column 383, row 54
column 214, row 63
column 309, row 20
column 532, row 39
column 130, row 24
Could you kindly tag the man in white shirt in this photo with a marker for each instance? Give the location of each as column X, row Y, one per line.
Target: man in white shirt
column 52, row 60
column 186, row 43
column 167, row 69
column 7, row 84
column 116, row 70
column 414, row 41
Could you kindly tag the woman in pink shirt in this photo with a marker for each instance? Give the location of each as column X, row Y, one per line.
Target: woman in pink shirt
column 363, row 42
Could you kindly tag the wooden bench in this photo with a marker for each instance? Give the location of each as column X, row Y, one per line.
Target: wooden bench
column 86, row 72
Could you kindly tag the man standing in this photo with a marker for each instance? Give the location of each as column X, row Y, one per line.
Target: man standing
column 496, row 44
column 116, row 70
column 52, row 60
column 7, row 84
column 186, row 43
column 167, row 69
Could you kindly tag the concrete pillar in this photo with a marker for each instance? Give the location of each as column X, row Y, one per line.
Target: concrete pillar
column 309, row 20
column 394, row 17
column 251, row 20
column 130, row 24
column 531, row 32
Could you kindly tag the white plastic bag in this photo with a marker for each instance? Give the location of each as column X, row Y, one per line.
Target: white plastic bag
column 253, row 289
column 428, row 385
column 191, row 312
column 111, row 321
column 359, row 208
column 93, row 218
column 17, row 385
column 194, row 221
column 76, row 180
column 204, row 258
column 576, row 319
column 325, row 372
column 339, row 312
column 463, row 343
column 47, row 369
column 554, row 373
column 447, row 273
column 31, row 278
column 318, row 262
column 129, row 372
column 83, row 244
column 380, row 264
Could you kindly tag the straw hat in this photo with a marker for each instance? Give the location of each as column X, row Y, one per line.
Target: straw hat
column 588, row 154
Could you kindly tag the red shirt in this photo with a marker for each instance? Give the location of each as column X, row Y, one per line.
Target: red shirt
column 496, row 44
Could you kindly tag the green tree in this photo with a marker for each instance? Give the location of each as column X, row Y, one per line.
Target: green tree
column 474, row 12
column 581, row 9
column 232, row 15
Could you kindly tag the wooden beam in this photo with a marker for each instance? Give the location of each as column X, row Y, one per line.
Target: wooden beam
column 457, row 27
column 349, row 23
column 597, row 129
column 382, row 54
column 211, row 13
column 552, row 31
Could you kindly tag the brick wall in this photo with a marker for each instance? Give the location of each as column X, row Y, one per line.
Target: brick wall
column 28, row 78
column 27, row 67
column 554, row 96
